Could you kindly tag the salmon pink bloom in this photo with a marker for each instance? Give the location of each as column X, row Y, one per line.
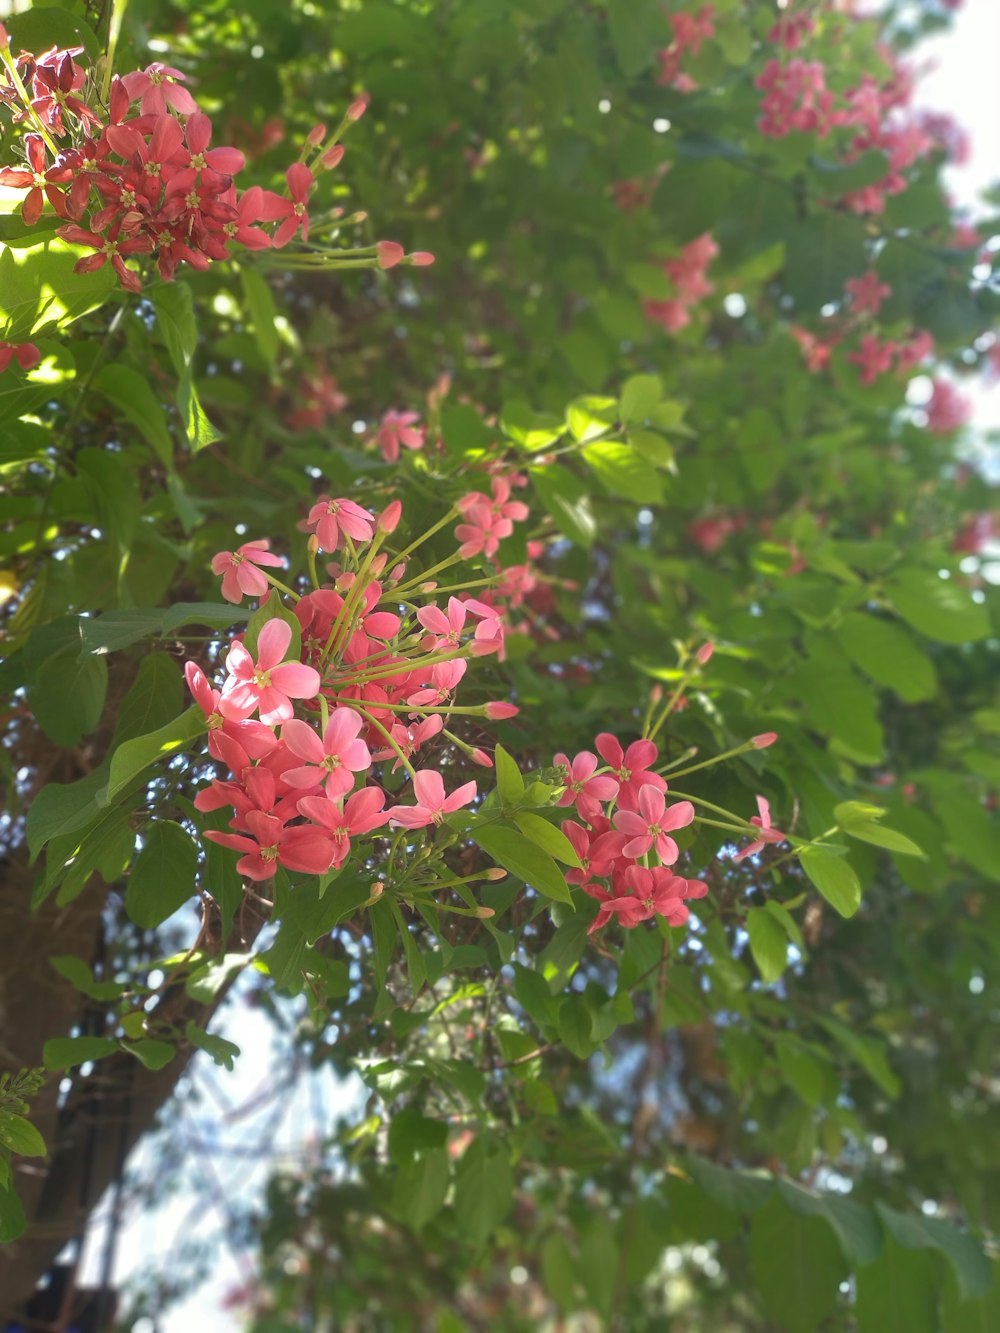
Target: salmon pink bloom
column 432, row 803
column 631, row 766
column 649, row 826
column 582, row 787
column 272, row 843
column 270, row 683
column 655, row 892
column 362, row 813
column 293, row 211
column 867, row 293
column 26, row 355
column 399, row 428
column 254, row 738
column 333, row 521
column 762, row 822
column 333, row 760
column 240, row 575
column 444, row 631
column 156, row 87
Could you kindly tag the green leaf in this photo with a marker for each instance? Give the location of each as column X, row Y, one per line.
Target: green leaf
column 422, row 1187
column 67, row 695
column 743, row 1191
column 163, row 876
column 641, row 395
column 855, row 1224
column 567, row 501
column 60, row 808
column 590, row 416
column 885, row 837
column 12, row 1218
column 510, row 784
column 940, row 608
column 176, row 321
column 522, row 858
column 530, row 430
column 823, row 250
column 972, row 1269
column 797, row 1265
column 973, row 832
column 66, row 1052
column 42, row 27
column 547, row 836
column 785, row 919
column 273, row 608
column 833, row 877
column 897, row 1293
column 78, row 973
column 484, row 1189
column 132, row 395
column 637, row 29
column 150, row 1052
column 886, row 653
column 623, row 471
column 768, row 944
column 20, row 1136
column 263, row 312
column 224, row 1053
column 868, row 1052
column 803, row 1073
column 132, row 757
column 156, row 694
column 207, row 981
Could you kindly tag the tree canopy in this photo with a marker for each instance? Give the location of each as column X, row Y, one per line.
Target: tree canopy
column 496, row 570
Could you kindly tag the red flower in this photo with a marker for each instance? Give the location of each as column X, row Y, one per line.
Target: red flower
column 26, row 355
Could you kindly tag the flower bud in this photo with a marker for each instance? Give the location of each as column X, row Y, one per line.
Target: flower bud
column 421, row 259
column 4, row 39
column 389, row 518
column 704, row 653
column 481, row 757
column 333, row 156
column 428, row 586
column 389, row 254
column 656, row 693
column 765, row 739
column 498, row 711
column 484, row 913
column 357, row 108
column 312, row 545
column 495, row 873
column 316, row 136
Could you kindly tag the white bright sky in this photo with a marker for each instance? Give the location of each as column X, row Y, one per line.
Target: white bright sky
column 963, row 83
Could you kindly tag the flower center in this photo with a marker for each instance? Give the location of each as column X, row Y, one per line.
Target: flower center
column 198, row 161
column 262, row 679
column 331, row 762
column 269, row 853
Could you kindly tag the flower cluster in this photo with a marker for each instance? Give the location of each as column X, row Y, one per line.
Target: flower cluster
column 140, row 176
column 690, row 29
column 626, row 819
column 354, row 676
column 797, row 99
column 687, row 273
column 874, row 356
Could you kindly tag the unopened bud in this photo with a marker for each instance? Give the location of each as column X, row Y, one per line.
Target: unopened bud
column 484, row 913
column 498, row 712
column 356, row 218
column 389, row 518
column 481, row 757
column 765, row 739
column 378, row 564
column 656, row 693
column 316, row 136
column 397, row 572
column 495, row 873
column 312, row 545
column 333, row 156
column 421, row 259
column 4, row 39
column 377, row 889
column 389, row 253
column 358, row 108
column 429, row 586
column 704, row 653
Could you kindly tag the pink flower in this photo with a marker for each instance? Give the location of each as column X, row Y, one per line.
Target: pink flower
column 582, row 787
column 432, row 803
column 240, row 575
column 255, row 739
column 299, row 180
column 362, row 814
column 649, row 826
column 270, row 683
column 867, row 293
column 766, row 834
column 398, row 428
column 596, row 852
column 875, row 358
column 333, row 521
column 26, row 355
column 630, row 767
column 157, row 86
column 272, row 843
column 334, row 759
column 655, row 892
column 947, row 410
column 389, row 253
column 444, row 631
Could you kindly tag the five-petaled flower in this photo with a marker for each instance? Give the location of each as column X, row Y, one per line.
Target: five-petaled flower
column 240, row 575
column 270, row 683
column 648, row 827
column 766, row 833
